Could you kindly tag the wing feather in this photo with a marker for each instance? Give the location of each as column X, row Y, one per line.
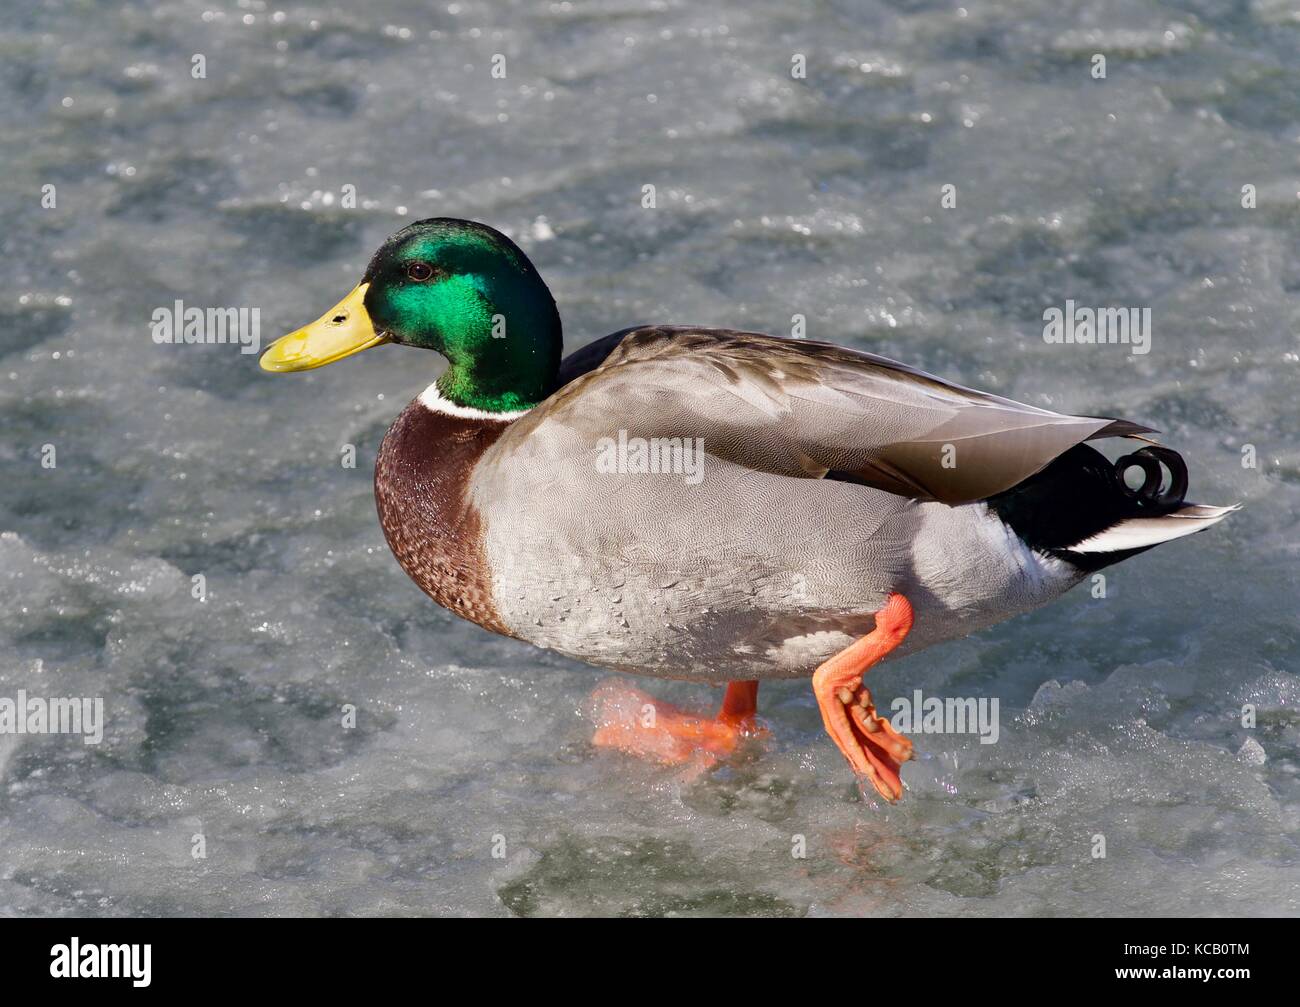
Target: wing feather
column 803, row 409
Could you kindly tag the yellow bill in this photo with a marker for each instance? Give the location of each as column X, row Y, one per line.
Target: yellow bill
column 342, row 331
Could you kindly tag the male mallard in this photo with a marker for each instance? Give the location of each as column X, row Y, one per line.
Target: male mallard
column 714, row 505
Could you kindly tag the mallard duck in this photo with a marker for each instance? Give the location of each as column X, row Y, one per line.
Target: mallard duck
column 719, row 506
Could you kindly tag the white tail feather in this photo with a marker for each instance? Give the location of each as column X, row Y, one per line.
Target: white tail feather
column 1139, row 532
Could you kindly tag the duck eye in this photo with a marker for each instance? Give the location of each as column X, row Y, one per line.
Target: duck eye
column 419, row 271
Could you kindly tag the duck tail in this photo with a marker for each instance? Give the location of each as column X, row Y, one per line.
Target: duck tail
column 1144, row 532
column 1082, row 510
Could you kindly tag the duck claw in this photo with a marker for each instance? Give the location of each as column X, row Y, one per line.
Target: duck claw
column 873, row 748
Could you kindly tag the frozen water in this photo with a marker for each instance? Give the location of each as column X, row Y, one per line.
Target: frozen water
column 1120, row 717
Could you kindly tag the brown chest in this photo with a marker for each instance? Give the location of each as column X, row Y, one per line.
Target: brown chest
column 422, row 479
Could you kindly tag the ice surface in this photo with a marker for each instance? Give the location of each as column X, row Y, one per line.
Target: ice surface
column 1120, row 717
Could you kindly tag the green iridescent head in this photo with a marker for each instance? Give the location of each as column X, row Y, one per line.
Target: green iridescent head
column 454, row 286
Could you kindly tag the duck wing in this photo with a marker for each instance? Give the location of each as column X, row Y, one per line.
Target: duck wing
column 804, row 409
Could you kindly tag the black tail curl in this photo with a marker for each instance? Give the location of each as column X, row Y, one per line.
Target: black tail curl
column 1150, row 497
column 1082, row 493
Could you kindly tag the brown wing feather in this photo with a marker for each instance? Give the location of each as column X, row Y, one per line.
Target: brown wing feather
column 803, row 408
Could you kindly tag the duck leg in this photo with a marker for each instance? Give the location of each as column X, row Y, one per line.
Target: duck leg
column 636, row 723
column 870, row 743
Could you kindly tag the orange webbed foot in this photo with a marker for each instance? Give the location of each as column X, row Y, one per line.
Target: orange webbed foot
column 636, row 723
column 866, row 739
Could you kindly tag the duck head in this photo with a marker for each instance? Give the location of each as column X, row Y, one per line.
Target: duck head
column 459, row 288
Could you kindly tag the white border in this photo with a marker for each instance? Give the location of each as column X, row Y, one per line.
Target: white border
column 433, row 401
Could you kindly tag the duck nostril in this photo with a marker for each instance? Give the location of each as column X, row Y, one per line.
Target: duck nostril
column 339, row 319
